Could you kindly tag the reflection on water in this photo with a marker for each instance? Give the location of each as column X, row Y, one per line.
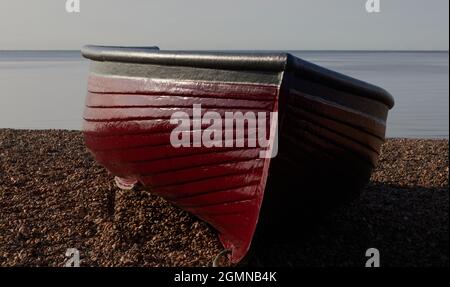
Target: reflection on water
column 47, row 89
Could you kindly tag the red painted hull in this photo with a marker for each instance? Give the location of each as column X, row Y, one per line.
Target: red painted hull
column 127, row 129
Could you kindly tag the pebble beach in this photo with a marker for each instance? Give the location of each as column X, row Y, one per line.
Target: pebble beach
column 53, row 196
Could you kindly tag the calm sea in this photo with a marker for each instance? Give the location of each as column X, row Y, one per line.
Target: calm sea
column 41, row 90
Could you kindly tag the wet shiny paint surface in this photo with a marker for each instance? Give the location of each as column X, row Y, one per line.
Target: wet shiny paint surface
column 127, row 129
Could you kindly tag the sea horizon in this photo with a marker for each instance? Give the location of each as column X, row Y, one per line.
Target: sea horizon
column 53, row 97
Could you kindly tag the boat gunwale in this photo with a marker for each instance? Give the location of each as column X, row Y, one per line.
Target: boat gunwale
column 263, row 61
column 202, row 59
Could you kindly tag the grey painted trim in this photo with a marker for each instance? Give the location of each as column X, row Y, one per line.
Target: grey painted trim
column 185, row 73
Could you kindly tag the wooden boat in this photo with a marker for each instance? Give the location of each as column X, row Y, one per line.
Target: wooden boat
column 330, row 129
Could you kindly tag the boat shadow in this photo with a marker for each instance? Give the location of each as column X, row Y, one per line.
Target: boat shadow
column 409, row 225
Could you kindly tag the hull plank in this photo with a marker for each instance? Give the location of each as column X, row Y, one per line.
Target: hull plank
column 127, row 128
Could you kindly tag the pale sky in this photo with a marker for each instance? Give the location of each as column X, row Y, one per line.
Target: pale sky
column 227, row 24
